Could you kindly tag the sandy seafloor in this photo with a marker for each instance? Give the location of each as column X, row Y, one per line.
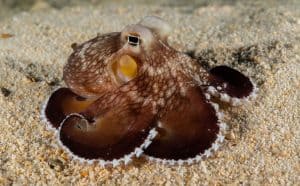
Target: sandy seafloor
column 260, row 39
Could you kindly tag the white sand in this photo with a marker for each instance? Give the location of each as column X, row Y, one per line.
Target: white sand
column 262, row 145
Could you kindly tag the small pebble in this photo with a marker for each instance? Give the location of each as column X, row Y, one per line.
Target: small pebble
column 5, row 36
column 6, row 92
column 230, row 136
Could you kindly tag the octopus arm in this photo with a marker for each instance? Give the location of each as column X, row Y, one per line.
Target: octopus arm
column 61, row 103
column 187, row 132
column 230, row 85
column 117, row 132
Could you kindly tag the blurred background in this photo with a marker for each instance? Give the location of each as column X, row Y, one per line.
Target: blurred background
column 11, row 7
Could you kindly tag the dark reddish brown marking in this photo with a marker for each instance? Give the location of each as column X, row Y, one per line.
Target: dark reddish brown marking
column 238, row 85
column 111, row 136
column 63, row 102
column 187, row 130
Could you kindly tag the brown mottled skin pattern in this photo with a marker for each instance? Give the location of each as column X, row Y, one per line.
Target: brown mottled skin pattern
column 168, row 93
column 84, row 73
column 172, row 73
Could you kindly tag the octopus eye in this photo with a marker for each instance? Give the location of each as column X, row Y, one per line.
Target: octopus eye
column 125, row 69
column 133, row 40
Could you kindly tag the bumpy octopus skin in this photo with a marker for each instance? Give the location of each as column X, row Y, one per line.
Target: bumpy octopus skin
column 131, row 94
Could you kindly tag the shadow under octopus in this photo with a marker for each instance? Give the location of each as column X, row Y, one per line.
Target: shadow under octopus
column 131, row 94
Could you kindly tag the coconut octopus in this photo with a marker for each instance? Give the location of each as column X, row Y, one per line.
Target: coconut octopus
column 131, row 94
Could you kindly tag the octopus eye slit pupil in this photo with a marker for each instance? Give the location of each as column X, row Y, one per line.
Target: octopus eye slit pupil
column 133, row 40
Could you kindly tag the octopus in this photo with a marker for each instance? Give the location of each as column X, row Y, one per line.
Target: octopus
column 129, row 94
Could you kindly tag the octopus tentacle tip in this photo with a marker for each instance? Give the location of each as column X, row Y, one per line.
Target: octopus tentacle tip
column 231, row 85
column 129, row 94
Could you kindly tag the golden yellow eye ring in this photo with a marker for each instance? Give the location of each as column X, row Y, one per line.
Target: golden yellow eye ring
column 125, row 68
